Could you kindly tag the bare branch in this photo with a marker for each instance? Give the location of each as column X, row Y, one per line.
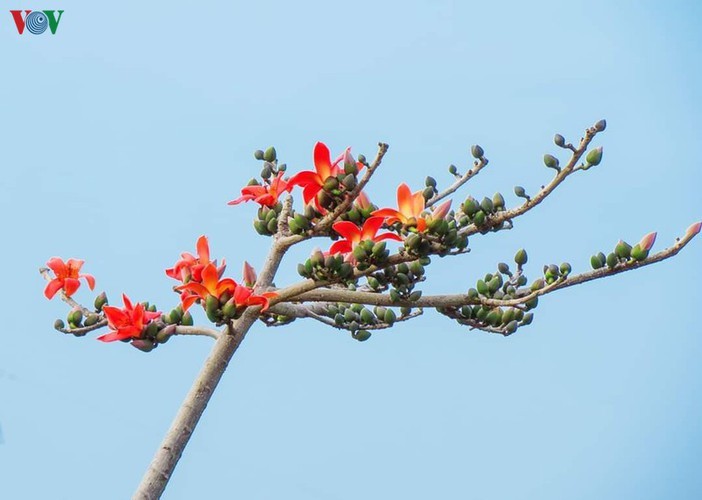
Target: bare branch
column 477, row 167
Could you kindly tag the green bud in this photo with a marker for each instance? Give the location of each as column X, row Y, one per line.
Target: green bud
column 339, row 319
column 415, row 296
column 428, row 192
column 508, row 315
column 144, row 345
column 266, row 172
column 345, row 270
column 601, row 125
column 622, row 250
column 389, row 316
column 75, row 316
column 477, row 151
column 565, row 268
column 511, row 327
column 260, row 227
column 430, row 181
column 272, row 226
column 359, row 253
column 302, row 221
column 495, row 283
column 211, row 304
column 472, row 293
column 531, row 304
column 59, row 324
column 479, row 218
column 595, row 262
column 528, row 318
column 453, row 170
column 367, row 317
column 229, row 308
column 612, row 260
column 503, row 268
column 498, row 200
column 270, row 154
column 482, row 287
column 187, row 319
column 100, row 301
column 378, row 249
column 258, row 154
column 361, row 335
column 551, row 162
column 638, row 253
column 494, row 317
column 521, row 257
column 91, row 319
column 373, row 283
column 330, row 184
column 350, row 169
column 519, row 191
column 594, row 156
column 487, row 205
column 470, row 206
column 559, row 140
column 175, row 316
column 538, row 284
column 394, row 296
column 349, row 181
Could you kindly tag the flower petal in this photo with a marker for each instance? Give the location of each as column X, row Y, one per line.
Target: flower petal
column 349, row 230
column 70, row 286
column 52, row 287
column 57, row 266
column 305, row 178
column 322, row 160
column 203, row 250
column 89, row 279
column 371, row 227
column 404, row 199
column 341, row 246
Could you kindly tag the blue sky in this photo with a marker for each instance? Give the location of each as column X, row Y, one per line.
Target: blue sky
column 125, row 134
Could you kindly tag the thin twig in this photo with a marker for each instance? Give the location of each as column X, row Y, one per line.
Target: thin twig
column 477, row 167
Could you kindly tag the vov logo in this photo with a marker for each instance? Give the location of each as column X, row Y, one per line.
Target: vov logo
column 36, row 21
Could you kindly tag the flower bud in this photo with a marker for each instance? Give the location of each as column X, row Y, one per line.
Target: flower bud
column 453, row 170
column 498, row 201
column 229, row 308
column 595, row 262
column 521, row 257
column 330, row 184
column 378, row 249
column 601, row 125
column 477, row 151
column 187, row 319
column 428, row 192
column 415, row 296
column 211, row 306
column 693, row 229
column 359, row 253
column 75, row 316
column 647, row 241
column 565, row 268
column 472, row 293
column 258, row 154
column 266, row 172
column 349, row 181
column 482, row 287
column 479, row 218
column 367, row 317
column 503, row 268
column 520, row 192
column 559, row 140
column 270, row 154
column 389, row 317
column 91, row 319
column 144, row 345
column 249, row 274
column 361, row 335
column 551, row 162
column 622, row 250
column 638, row 253
column 487, row 205
column 100, row 301
column 511, row 327
column 528, row 318
column 470, row 206
column 612, row 260
column 59, row 324
column 594, row 156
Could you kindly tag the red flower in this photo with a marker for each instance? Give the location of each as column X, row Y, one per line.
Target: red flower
column 190, row 267
column 411, row 205
column 266, row 195
column 127, row 323
column 353, row 235
column 212, row 285
column 67, row 275
column 312, row 182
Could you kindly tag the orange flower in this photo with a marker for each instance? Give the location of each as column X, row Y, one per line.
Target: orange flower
column 127, row 323
column 353, row 235
column 190, row 267
column 212, row 285
column 266, row 195
column 411, row 205
column 67, row 276
column 312, row 182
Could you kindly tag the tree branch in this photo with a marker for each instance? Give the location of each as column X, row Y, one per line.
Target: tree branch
column 477, row 167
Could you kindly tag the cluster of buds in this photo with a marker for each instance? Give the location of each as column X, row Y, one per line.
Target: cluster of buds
column 400, row 279
column 79, row 320
column 441, row 237
column 266, row 223
column 504, row 320
column 478, row 213
column 320, row 267
column 358, row 319
column 624, row 253
column 270, row 168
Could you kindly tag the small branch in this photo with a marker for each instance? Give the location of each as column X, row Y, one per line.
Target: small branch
column 477, row 167
column 197, row 331
column 44, row 271
column 499, row 217
column 458, row 300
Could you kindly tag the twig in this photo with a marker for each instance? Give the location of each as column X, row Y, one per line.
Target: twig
column 479, row 165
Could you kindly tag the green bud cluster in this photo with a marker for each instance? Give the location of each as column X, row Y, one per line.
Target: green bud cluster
column 271, row 167
column 505, row 319
column 319, row 267
column 430, row 188
column 400, row 279
column 298, row 223
column 266, row 222
column 358, row 318
column 358, row 215
column 552, row 272
column 622, row 254
column 478, row 213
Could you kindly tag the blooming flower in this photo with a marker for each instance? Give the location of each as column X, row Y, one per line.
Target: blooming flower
column 67, row 277
column 127, row 323
column 212, row 285
column 353, row 235
column 266, row 195
column 190, row 267
column 312, row 182
column 411, row 205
